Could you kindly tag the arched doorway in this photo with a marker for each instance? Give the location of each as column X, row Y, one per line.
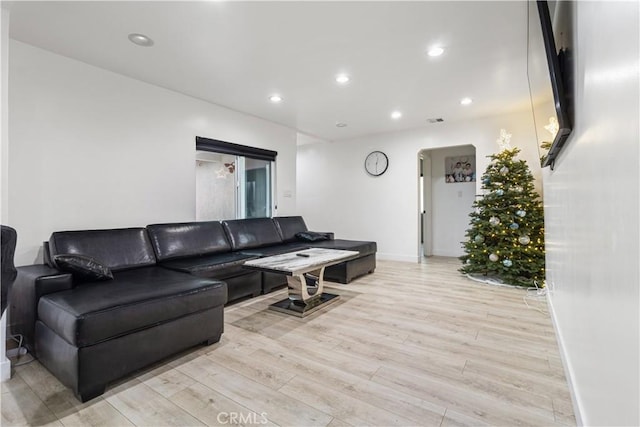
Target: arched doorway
column 447, row 192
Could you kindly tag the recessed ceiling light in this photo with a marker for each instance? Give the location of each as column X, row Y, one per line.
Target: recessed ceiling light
column 435, row 51
column 466, row 101
column 140, row 40
column 341, row 125
column 342, row 78
column 275, row 98
column 396, row 115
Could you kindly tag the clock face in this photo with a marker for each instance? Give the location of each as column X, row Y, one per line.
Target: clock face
column 376, row 163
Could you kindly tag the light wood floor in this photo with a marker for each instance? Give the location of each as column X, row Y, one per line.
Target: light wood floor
column 412, row 344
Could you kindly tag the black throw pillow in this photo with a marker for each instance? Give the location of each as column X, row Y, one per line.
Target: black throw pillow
column 82, row 267
column 311, row 236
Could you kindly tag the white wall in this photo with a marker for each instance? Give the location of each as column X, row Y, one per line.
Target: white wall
column 5, row 364
column 335, row 193
column 451, row 203
column 591, row 219
column 94, row 149
column 4, row 152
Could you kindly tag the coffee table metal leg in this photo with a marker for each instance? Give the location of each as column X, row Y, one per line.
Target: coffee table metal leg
column 306, row 287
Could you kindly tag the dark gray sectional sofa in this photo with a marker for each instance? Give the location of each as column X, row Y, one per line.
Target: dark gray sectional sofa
column 110, row 302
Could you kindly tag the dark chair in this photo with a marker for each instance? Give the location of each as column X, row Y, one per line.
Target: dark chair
column 9, row 272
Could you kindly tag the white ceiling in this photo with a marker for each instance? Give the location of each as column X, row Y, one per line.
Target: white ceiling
column 236, row 54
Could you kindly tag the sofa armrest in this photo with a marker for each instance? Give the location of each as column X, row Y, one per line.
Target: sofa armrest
column 32, row 282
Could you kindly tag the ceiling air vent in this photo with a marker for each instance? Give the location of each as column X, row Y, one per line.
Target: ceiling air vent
column 436, row 120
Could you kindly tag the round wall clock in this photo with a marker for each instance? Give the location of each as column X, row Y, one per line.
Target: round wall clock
column 376, row 163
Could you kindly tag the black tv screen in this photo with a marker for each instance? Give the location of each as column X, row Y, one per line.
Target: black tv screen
column 550, row 73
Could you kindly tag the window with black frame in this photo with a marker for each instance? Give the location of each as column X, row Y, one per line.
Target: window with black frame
column 233, row 181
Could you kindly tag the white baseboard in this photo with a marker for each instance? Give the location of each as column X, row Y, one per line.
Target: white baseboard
column 448, row 254
column 568, row 371
column 407, row 258
column 395, row 257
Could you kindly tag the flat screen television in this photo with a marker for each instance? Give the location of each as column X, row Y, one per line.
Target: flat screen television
column 550, row 73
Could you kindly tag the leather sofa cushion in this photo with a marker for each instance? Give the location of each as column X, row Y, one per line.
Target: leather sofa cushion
column 218, row 266
column 251, row 233
column 365, row 248
column 134, row 300
column 289, row 226
column 187, row 239
column 117, row 249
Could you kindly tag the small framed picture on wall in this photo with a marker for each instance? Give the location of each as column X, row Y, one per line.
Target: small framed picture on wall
column 460, row 169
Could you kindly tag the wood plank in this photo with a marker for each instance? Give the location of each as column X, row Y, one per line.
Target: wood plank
column 20, row 406
column 279, row 408
column 213, row 408
column 334, row 377
column 62, row 402
column 472, row 403
column 340, row 405
column 143, row 406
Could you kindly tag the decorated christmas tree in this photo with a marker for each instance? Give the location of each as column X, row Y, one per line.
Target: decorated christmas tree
column 506, row 238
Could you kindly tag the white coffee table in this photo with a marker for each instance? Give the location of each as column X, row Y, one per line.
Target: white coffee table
column 305, row 271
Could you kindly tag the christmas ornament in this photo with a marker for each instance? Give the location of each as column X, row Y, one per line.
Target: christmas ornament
column 521, row 213
column 500, row 192
column 493, row 257
column 524, row 240
column 494, row 220
column 479, row 238
column 518, row 189
column 507, row 263
column 514, row 226
column 486, row 181
column 504, row 170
